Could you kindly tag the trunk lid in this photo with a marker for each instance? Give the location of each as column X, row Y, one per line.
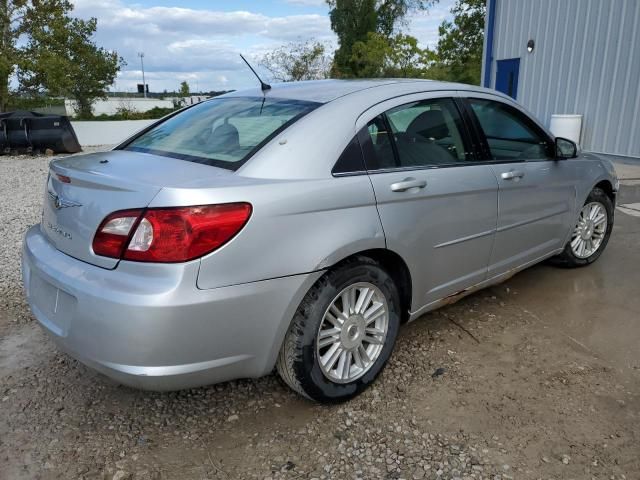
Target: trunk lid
column 82, row 190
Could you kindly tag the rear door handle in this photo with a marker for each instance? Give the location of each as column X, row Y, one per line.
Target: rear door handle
column 407, row 184
column 512, row 174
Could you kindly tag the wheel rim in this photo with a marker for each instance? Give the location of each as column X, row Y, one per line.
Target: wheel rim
column 352, row 332
column 590, row 230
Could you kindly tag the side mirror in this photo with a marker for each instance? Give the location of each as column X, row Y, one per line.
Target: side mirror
column 565, row 148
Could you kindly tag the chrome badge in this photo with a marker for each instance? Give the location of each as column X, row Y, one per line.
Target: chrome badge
column 59, row 231
column 60, row 202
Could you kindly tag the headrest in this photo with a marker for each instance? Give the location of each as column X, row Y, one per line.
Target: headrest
column 430, row 125
column 226, row 136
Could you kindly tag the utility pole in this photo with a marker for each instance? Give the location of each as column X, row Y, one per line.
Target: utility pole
column 144, row 84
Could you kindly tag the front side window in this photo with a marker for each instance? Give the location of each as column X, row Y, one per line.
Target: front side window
column 222, row 132
column 509, row 133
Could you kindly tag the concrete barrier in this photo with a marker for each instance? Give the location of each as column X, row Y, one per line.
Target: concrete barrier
column 107, row 132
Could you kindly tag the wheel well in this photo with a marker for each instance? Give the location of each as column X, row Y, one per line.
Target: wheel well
column 606, row 186
column 396, row 267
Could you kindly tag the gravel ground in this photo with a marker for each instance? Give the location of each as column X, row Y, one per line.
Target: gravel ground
column 485, row 388
column 21, row 191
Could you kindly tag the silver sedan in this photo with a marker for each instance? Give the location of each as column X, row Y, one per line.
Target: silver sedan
column 299, row 227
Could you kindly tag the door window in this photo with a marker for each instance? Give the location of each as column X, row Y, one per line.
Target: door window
column 376, row 145
column 510, row 134
column 428, row 133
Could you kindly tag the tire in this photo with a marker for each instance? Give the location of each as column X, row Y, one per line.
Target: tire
column 570, row 258
column 299, row 361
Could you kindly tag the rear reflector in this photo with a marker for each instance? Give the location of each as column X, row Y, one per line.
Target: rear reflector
column 169, row 234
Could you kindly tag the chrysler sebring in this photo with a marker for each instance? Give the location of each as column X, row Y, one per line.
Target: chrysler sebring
column 298, row 227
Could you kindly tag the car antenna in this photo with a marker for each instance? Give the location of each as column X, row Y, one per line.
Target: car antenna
column 263, row 86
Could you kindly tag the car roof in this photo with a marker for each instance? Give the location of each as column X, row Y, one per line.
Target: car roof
column 324, row 91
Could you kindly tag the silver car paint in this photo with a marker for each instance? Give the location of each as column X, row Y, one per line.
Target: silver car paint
column 104, row 183
column 146, row 325
column 224, row 316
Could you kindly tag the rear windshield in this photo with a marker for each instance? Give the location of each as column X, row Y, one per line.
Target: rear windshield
column 223, row 132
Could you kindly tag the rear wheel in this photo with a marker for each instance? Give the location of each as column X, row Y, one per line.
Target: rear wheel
column 342, row 333
column 591, row 234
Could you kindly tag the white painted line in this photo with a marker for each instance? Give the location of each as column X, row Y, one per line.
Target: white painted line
column 630, row 209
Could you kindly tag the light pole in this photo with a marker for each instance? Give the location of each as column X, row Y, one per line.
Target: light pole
column 144, row 84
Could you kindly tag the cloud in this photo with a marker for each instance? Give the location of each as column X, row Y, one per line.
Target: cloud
column 178, row 41
column 424, row 24
column 202, row 45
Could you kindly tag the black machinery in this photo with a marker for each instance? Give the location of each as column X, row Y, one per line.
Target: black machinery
column 30, row 132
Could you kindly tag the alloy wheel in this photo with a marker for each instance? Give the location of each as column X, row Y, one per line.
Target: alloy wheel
column 352, row 332
column 590, row 230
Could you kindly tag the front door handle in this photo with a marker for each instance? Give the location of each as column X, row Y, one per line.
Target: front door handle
column 407, row 184
column 512, row 174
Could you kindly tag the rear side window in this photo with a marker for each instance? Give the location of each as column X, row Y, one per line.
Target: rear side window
column 428, row 133
column 510, row 134
column 377, row 145
column 351, row 160
column 222, row 132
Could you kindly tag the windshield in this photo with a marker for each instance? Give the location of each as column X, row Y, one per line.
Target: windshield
column 223, row 132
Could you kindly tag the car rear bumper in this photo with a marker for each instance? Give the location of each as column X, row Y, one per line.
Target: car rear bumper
column 149, row 326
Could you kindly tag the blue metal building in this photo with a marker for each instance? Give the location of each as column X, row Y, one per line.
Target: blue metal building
column 570, row 57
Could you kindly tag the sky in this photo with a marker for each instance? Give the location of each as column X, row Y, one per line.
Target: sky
column 199, row 40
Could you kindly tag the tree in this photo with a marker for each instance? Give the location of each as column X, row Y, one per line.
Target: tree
column 407, row 60
column 11, row 26
column 184, row 89
column 298, row 61
column 62, row 60
column 55, row 52
column 399, row 56
column 459, row 47
column 354, row 20
column 369, row 58
column 392, row 13
column 15, row 19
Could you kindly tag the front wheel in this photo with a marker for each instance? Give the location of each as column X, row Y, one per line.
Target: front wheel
column 591, row 234
column 342, row 334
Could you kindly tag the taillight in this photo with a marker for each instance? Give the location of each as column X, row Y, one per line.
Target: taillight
column 113, row 233
column 169, row 234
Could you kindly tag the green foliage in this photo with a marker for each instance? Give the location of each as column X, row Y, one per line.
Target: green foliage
column 398, row 57
column 124, row 113
column 370, row 45
column 406, row 59
column 392, row 13
column 298, row 61
column 354, row 22
column 31, row 103
column 184, row 89
column 12, row 26
column 56, row 54
column 460, row 44
column 369, row 58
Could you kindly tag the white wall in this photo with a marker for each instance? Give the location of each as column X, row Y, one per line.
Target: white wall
column 108, row 132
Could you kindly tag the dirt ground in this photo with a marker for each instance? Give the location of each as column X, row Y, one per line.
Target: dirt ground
column 540, row 378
